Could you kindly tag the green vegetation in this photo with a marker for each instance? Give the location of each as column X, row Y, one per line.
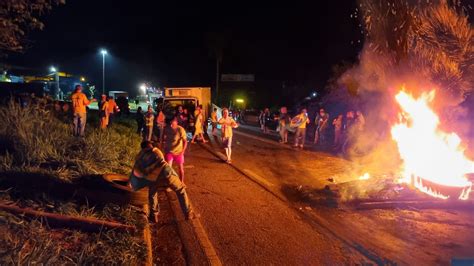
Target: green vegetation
column 37, row 143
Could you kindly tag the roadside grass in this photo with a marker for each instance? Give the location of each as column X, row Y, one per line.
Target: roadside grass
column 35, row 142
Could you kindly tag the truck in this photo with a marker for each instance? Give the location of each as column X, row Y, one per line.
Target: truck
column 188, row 97
column 117, row 94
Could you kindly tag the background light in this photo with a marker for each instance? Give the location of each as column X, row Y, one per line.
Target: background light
column 83, row 79
column 52, row 69
column 239, row 100
column 143, row 88
column 103, row 52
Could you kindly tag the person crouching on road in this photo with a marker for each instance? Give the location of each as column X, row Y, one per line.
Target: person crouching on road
column 227, row 123
column 151, row 169
column 175, row 145
column 149, row 117
column 79, row 103
column 103, row 112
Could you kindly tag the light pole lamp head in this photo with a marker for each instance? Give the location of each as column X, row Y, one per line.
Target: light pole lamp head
column 52, row 69
column 103, row 52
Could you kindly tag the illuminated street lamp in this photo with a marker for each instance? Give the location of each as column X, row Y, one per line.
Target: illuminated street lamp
column 143, row 88
column 52, row 69
column 103, row 52
column 239, row 100
column 83, row 79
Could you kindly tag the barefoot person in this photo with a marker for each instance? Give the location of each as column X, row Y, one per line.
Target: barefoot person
column 227, row 123
column 150, row 169
column 175, row 144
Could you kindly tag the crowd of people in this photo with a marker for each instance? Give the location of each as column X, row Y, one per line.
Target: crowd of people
column 336, row 134
column 166, row 136
column 171, row 134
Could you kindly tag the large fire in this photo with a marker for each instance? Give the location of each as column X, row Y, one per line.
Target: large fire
column 429, row 155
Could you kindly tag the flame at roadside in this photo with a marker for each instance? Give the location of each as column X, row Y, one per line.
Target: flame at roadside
column 427, row 152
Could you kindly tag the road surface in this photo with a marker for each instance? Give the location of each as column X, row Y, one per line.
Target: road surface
column 265, row 222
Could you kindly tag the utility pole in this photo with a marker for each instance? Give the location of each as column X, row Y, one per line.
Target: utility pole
column 103, row 73
column 58, row 90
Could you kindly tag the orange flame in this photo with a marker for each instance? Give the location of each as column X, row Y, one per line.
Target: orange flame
column 427, row 152
column 365, row 176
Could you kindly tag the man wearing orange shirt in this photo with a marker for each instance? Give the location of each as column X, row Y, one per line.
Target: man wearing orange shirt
column 79, row 103
column 112, row 106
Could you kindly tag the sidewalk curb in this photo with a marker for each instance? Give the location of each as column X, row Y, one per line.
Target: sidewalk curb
column 147, row 236
column 199, row 234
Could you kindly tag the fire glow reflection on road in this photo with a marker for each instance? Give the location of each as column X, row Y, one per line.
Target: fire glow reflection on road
column 427, row 152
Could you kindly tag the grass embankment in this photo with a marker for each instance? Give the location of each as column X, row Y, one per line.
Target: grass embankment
column 36, row 144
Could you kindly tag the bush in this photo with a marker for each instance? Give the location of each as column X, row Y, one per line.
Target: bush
column 35, row 140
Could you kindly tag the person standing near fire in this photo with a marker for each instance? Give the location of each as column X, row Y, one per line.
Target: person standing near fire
column 104, row 112
column 337, row 123
column 300, row 122
column 79, row 104
column 227, row 123
column 266, row 121
column 283, row 122
column 322, row 123
column 149, row 117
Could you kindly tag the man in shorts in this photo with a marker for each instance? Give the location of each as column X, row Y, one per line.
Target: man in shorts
column 175, row 144
column 227, row 123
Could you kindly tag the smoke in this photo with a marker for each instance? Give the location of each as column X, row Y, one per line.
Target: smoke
column 416, row 44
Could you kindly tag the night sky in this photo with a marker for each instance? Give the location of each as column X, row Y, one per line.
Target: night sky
column 172, row 43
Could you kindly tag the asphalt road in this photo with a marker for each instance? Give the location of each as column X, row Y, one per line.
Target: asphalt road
column 249, row 226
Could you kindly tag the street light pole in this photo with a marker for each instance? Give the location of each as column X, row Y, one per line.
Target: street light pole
column 56, row 79
column 103, row 52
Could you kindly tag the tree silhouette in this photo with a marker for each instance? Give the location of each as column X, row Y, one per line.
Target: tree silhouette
column 17, row 17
